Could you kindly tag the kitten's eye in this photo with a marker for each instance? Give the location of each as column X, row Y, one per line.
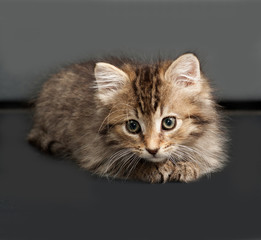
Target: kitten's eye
column 168, row 123
column 133, row 126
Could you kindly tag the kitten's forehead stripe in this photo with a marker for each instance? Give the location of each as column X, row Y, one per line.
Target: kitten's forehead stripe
column 136, row 113
column 146, row 87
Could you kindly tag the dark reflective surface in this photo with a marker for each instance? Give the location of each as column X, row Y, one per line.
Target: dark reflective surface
column 44, row 198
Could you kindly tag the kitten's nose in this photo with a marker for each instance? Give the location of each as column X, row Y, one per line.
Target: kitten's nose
column 152, row 151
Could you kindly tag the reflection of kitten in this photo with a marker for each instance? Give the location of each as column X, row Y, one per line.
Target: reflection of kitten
column 118, row 118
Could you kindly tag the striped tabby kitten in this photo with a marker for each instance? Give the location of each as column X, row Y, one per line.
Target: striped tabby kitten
column 123, row 119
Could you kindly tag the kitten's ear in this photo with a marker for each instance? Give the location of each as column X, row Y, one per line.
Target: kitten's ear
column 185, row 71
column 109, row 79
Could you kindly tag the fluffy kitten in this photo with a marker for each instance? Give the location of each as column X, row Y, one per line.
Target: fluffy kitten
column 123, row 119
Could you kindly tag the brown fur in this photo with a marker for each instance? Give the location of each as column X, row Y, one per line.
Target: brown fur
column 71, row 119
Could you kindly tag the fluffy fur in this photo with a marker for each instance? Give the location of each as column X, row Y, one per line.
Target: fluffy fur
column 82, row 112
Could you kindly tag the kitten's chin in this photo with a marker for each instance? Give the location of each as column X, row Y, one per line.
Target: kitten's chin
column 155, row 159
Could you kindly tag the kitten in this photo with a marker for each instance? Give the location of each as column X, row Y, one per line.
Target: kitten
column 123, row 119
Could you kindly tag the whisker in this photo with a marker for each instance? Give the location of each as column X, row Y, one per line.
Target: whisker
column 191, row 154
column 124, row 162
column 133, row 166
column 115, row 157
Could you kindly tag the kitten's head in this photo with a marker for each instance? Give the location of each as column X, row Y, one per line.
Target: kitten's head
column 154, row 110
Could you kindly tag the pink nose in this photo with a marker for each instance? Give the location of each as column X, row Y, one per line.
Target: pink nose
column 152, row 151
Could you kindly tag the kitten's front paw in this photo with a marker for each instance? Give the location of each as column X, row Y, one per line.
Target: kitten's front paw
column 167, row 171
column 154, row 172
column 185, row 172
column 147, row 172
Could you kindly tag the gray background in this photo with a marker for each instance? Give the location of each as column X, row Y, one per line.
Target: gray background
column 38, row 37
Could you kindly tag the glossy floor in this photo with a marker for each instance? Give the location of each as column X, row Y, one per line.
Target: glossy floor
column 42, row 198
